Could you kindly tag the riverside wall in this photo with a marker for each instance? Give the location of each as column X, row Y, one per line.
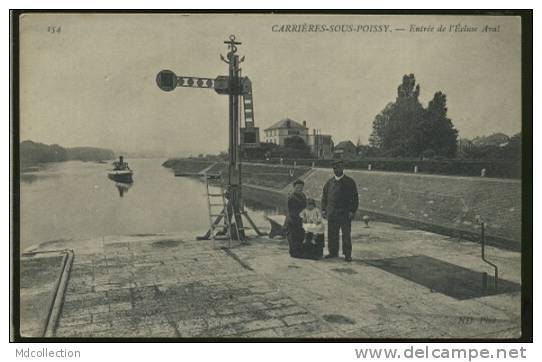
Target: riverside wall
column 446, row 204
column 450, row 205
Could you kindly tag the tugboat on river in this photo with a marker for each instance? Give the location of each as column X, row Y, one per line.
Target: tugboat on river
column 121, row 172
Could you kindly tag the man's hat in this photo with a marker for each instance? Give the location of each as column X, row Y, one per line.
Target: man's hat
column 338, row 163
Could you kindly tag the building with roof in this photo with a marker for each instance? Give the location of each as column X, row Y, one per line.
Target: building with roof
column 321, row 145
column 285, row 128
column 345, row 150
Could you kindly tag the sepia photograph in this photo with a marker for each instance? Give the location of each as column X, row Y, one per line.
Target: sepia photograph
column 245, row 176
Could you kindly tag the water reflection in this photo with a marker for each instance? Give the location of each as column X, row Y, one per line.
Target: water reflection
column 33, row 177
column 122, row 187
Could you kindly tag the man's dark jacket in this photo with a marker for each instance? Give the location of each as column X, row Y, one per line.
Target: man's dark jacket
column 340, row 197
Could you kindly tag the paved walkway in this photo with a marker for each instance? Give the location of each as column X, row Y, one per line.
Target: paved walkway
column 174, row 286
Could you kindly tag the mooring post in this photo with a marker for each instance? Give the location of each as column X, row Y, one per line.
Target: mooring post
column 484, row 280
column 483, row 242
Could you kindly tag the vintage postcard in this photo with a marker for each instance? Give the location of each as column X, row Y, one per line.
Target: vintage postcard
column 258, row 176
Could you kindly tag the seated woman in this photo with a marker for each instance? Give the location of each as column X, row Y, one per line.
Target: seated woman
column 295, row 233
column 297, row 202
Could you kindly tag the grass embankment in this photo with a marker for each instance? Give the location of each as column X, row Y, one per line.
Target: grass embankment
column 272, row 176
column 452, row 202
column 183, row 166
column 446, row 202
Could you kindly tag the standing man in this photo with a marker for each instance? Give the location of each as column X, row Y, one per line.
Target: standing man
column 339, row 205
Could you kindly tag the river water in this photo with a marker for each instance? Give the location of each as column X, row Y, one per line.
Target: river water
column 76, row 200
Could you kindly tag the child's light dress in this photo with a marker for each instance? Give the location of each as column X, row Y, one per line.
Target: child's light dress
column 312, row 221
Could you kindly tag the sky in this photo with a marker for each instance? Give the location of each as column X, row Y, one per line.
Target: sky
column 93, row 83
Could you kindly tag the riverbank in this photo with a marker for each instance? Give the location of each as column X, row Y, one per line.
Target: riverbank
column 403, row 283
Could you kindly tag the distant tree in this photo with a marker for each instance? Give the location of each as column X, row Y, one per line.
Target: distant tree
column 346, row 150
column 428, row 153
column 439, row 134
column 267, row 148
column 260, row 152
column 405, row 129
column 368, row 151
column 407, row 137
column 381, row 126
column 488, row 152
column 294, row 147
column 397, row 129
column 496, row 146
column 57, row 153
column 295, row 142
column 512, row 150
column 495, row 139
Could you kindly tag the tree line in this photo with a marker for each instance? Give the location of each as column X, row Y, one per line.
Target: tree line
column 405, row 128
column 33, row 152
column 294, row 147
column 496, row 146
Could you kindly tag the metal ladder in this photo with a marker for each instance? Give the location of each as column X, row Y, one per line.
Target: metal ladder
column 248, row 104
column 215, row 201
